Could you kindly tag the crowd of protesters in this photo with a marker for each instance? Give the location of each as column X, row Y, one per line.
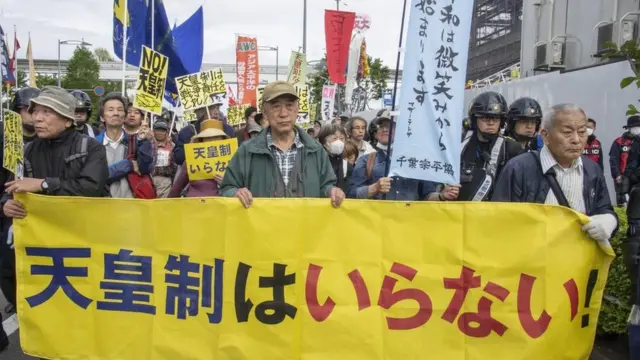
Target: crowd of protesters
column 510, row 153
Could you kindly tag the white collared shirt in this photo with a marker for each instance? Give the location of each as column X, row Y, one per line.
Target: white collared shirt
column 570, row 180
column 365, row 149
column 113, row 143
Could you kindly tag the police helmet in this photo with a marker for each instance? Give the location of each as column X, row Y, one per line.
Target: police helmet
column 488, row 104
column 23, row 98
column 83, row 102
column 524, row 107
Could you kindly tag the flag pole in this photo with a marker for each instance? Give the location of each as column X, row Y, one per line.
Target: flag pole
column 124, row 48
column 395, row 90
column 153, row 24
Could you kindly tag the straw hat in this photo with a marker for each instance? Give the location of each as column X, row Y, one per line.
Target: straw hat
column 211, row 128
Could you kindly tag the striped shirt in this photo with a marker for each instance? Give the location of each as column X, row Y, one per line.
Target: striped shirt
column 285, row 160
column 570, row 180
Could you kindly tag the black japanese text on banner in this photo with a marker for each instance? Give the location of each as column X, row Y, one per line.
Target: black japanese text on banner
column 328, row 102
column 152, row 76
column 427, row 134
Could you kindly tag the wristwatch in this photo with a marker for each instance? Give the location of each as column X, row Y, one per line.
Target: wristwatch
column 44, row 186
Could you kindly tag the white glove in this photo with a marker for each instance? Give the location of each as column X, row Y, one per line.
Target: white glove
column 600, row 228
column 10, row 237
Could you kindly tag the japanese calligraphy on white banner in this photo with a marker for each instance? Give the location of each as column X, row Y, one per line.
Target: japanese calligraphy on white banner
column 427, row 134
column 328, row 102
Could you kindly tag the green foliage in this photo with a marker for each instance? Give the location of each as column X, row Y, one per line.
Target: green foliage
column 630, row 51
column 21, row 80
column 615, row 307
column 102, row 54
column 83, row 70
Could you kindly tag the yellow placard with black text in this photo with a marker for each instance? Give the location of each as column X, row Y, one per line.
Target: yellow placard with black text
column 13, row 156
column 208, row 279
column 207, row 159
column 201, row 89
column 152, row 76
column 303, row 103
column 235, row 114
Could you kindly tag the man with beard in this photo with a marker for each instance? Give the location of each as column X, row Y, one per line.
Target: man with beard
column 484, row 151
column 593, row 148
column 524, row 118
column 84, row 108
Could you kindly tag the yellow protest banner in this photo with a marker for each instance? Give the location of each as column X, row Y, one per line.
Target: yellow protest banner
column 297, row 69
column 13, row 156
column 199, row 89
column 260, row 90
column 214, row 280
column 303, row 95
column 235, row 114
column 208, row 159
column 152, row 75
column 313, row 110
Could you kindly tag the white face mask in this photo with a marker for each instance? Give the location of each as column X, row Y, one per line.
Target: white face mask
column 635, row 130
column 336, row 147
column 589, row 131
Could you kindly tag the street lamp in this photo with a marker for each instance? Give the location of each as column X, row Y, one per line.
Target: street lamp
column 68, row 42
column 271, row 48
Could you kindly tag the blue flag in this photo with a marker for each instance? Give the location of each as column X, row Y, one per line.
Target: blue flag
column 189, row 38
column 7, row 75
column 136, row 20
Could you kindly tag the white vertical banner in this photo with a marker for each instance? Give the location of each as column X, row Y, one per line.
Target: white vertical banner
column 352, row 67
column 427, row 134
column 328, row 102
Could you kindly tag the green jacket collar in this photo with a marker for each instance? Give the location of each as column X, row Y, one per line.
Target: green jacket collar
column 258, row 145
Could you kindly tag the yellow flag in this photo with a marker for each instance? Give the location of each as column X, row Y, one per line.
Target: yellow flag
column 32, row 67
column 205, row 278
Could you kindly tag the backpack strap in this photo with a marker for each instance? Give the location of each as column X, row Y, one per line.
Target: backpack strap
column 371, row 160
column 28, row 169
column 81, row 150
column 553, row 182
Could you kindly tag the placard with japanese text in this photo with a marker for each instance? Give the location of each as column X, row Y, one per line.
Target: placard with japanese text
column 208, row 159
column 152, row 76
column 208, row 279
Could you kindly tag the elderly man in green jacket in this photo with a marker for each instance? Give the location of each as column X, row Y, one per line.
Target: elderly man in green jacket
column 283, row 161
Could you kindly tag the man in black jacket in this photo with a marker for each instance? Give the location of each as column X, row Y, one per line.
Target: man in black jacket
column 49, row 169
column 580, row 180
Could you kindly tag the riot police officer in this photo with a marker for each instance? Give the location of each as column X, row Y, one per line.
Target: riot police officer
column 523, row 122
column 84, row 108
column 20, row 104
column 484, row 150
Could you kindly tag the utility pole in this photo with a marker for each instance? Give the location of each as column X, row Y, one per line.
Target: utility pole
column 338, row 5
column 304, row 28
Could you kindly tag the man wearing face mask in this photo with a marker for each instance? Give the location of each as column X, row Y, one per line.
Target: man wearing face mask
column 484, row 151
column 524, row 118
column 84, row 107
column 593, row 148
column 619, row 156
column 20, row 105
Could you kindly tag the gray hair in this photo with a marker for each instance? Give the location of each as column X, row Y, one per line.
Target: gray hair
column 550, row 116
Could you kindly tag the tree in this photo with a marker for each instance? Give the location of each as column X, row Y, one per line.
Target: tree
column 366, row 89
column 630, row 51
column 44, row 80
column 21, row 79
column 102, row 55
column 83, row 73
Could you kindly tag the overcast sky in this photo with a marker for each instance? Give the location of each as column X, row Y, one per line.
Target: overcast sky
column 274, row 22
